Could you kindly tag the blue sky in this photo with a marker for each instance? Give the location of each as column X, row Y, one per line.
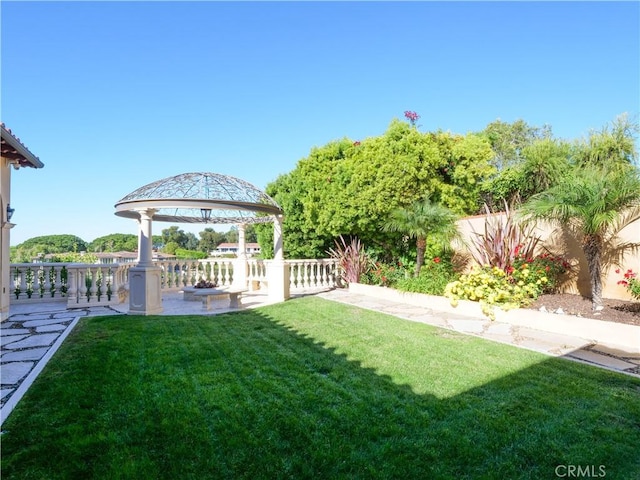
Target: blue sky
column 112, row 96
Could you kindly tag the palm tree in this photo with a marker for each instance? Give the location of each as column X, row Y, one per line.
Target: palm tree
column 421, row 219
column 596, row 202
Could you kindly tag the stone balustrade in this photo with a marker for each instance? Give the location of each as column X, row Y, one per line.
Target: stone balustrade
column 79, row 284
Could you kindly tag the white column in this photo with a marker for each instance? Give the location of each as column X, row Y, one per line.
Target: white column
column 278, row 269
column 5, row 226
column 278, row 250
column 240, row 267
column 145, row 240
column 145, row 279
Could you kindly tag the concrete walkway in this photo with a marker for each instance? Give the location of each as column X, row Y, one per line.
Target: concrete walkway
column 33, row 333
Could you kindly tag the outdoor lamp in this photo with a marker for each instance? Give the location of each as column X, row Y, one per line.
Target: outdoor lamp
column 10, row 212
column 206, row 214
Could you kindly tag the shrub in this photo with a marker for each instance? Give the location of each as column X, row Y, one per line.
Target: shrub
column 490, row 286
column 434, row 277
column 517, row 286
column 544, row 270
column 630, row 280
column 384, row 274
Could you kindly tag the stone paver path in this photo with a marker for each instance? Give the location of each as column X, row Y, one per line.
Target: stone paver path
column 27, row 342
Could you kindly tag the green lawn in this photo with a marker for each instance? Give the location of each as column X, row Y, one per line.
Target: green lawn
column 313, row 389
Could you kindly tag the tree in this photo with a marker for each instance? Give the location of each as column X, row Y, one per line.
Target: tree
column 349, row 187
column 210, row 239
column 508, row 140
column 115, row 242
column 541, row 164
column 596, row 202
column 421, row 219
column 55, row 243
column 175, row 236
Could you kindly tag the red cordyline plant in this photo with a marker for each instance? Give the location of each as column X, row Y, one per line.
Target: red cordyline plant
column 504, row 239
column 352, row 259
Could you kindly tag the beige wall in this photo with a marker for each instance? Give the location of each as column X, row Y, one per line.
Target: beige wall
column 5, row 227
column 560, row 241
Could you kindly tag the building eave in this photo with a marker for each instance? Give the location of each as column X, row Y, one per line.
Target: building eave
column 16, row 152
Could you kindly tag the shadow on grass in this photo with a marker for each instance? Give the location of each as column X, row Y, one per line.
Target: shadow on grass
column 282, row 392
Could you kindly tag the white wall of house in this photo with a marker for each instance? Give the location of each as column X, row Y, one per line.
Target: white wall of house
column 5, row 227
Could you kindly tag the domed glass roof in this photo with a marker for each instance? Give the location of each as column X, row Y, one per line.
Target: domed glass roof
column 185, row 198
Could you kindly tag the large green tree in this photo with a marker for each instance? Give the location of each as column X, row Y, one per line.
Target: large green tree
column 56, row 243
column 115, row 242
column 349, row 187
column 509, row 140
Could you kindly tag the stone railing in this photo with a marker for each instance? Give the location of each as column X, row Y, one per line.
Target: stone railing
column 77, row 284
column 312, row 274
column 80, row 284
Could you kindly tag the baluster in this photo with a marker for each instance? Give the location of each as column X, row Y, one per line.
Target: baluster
column 93, row 290
column 322, row 273
column 72, row 280
column 57, row 281
column 15, row 276
column 82, row 285
column 23, row 281
column 46, row 272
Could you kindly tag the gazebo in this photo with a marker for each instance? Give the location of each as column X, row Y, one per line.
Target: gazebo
column 201, row 197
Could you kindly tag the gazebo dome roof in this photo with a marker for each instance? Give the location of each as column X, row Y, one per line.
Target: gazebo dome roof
column 184, row 197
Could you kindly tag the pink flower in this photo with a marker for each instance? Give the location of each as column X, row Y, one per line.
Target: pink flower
column 436, row 260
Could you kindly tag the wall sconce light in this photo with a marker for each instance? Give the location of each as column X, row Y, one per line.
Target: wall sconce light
column 10, row 212
column 206, row 214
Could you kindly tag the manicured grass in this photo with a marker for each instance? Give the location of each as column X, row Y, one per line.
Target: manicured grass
column 313, row 389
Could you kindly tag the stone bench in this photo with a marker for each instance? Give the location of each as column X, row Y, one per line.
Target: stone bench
column 209, row 294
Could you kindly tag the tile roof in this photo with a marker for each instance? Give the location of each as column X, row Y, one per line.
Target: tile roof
column 16, row 151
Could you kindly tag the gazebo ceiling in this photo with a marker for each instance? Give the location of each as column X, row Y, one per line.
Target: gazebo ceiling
column 182, row 199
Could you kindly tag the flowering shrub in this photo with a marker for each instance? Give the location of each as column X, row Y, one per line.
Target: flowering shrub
column 491, row 286
column 516, row 286
column 630, row 280
column 384, row 274
column 434, row 277
column 544, row 270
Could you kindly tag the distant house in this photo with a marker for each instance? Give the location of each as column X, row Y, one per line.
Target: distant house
column 110, row 257
column 251, row 249
column 127, row 257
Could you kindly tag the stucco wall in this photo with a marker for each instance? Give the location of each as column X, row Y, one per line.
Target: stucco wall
column 557, row 240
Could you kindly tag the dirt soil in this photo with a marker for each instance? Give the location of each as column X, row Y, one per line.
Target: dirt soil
column 614, row 310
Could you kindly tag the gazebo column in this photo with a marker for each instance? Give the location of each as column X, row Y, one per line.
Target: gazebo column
column 240, row 267
column 145, row 284
column 278, row 274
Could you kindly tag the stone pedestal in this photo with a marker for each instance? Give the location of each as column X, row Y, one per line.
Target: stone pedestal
column 145, row 295
column 278, row 278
